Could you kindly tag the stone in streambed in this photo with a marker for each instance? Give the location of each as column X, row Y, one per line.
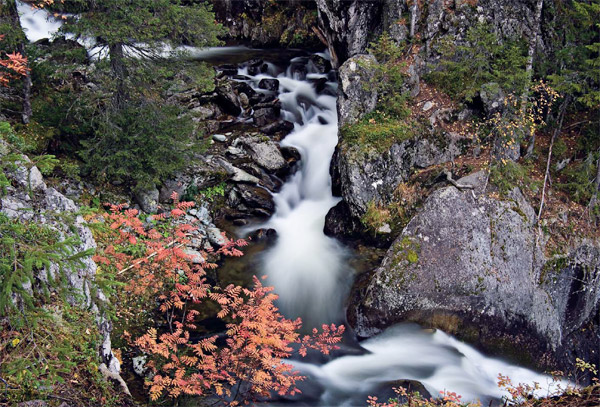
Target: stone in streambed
column 269, row 84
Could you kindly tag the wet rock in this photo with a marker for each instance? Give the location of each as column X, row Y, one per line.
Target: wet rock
column 228, row 69
column 257, row 66
column 264, row 234
column 257, row 198
column 227, row 99
column 291, row 154
column 266, row 115
column 264, row 152
column 261, row 98
column 269, row 84
column 340, row 223
column 323, row 65
column 147, row 199
column 320, row 84
column 280, row 126
column 356, row 97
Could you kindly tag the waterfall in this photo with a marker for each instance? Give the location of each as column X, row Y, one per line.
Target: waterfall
column 310, row 273
column 307, row 268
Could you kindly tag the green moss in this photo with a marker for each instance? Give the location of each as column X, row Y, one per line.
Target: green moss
column 552, row 268
column 377, row 131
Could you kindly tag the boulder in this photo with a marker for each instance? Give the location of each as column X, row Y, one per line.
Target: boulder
column 269, row 84
column 264, row 152
column 265, row 115
column 237, row 174
column 280, row 126
column 227, row 99
column 147, row 199
column 492, row 98
column 215, row 236
column 356, row 97
column 364, row 175
column 472, row 265
column 257, row 198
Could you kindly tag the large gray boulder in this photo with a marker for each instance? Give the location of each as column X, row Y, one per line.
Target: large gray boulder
column 356, row 95
column 474, row 266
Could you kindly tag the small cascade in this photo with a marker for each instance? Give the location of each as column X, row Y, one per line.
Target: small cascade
column 307, row 268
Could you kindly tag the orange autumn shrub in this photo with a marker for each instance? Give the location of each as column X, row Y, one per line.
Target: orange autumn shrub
column 247, row 362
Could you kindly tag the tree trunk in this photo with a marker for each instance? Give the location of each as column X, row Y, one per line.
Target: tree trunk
column 117, row 66
column 594, row 199
column 26, row 95
column 561, row 116
column 529, row 67
column 414, row 9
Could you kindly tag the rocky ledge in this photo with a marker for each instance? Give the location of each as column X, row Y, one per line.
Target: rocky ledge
column 473, row 266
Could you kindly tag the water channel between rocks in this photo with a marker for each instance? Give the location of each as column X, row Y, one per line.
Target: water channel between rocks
column 311, row 274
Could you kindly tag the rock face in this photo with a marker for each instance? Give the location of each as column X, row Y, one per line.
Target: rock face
column 573, row 283
column 350, row 25
column 355, row 97
column 472, row 265
column 364, row 176
column 28, row 198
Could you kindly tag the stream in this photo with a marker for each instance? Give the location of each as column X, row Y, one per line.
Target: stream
column 310, row 270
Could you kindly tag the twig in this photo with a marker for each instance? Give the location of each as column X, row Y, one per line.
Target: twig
column 563, row 108
column 140, row 261
column 453, row 182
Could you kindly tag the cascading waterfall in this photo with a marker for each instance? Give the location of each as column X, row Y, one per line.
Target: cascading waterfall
column 309, row 272
column 309, row 269
column 305, row 266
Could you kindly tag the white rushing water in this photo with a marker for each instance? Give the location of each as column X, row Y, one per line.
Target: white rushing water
column 310, row 273
column 306, row 267
column 435, row 359
column 37, row 23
